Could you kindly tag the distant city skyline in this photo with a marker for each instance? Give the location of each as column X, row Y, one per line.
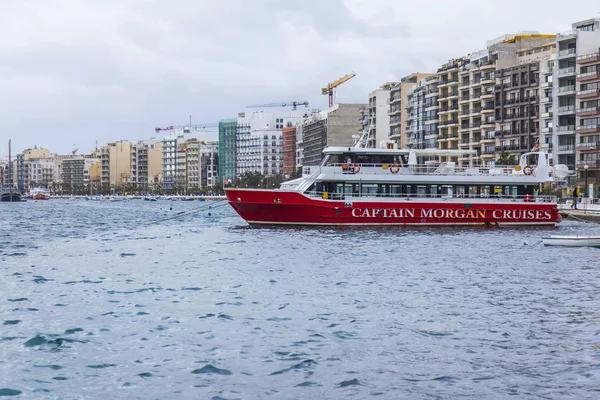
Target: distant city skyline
column 79, row 72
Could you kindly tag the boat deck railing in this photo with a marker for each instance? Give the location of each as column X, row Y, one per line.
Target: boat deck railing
column 432, row 197
column 446, row 168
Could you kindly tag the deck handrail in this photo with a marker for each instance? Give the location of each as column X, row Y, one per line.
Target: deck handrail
column 417, row 169
column 336, row 196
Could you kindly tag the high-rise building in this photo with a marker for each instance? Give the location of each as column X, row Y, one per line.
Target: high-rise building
column 422, row 114
column 289, row 149
column 398, row 101
column 201, row 164
column 227, row 150
column 335, row 126
column 43, row 172
column 377, row 116
column 76, row 172
column 578, row 112
column 116, row 164
column 171, row 176
column 576, row 90
column 480, row 102
column 259, row 140
column 146, row 163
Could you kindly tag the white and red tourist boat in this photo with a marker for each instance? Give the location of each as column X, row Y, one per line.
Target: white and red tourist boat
column 39, row 193
column 369, row 186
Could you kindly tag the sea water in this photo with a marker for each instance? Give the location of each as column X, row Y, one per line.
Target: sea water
column 97, row 302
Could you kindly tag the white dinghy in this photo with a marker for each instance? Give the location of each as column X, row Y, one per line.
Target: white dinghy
column 572, row 241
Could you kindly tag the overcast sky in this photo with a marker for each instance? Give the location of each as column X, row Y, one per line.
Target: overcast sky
column 76, row 71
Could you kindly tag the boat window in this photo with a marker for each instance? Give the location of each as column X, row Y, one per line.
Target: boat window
column 473, row 191
column 369, row 189
column 349, row 188
column 395, row 189
column 332, row 159
column 313, row 189
column 433, row 190
column 447, row 190
column 376, row 159
column 363, row 159
column 421, row 191
column 409, row 190
column 460, row 191
column 383, row 189
column 485, row 191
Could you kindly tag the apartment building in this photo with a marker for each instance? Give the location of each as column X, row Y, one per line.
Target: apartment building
column 196, row 165
column 397, row 101
column 468, row 96
column 336, row 126
column 547, row 102
column 421, row 124
column 376, row 121
column 289, row 149
column 115, row 161
column 518, row 109
column 76, row 171
column 259, row 151
column 173, row 158
column 448, row 92
column 43, row 172
column 576, row 89
column 146, row 163
column 227, row 149
column 476, row 103
column 259, row 140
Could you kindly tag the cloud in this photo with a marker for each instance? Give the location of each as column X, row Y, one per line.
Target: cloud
column 77, row 71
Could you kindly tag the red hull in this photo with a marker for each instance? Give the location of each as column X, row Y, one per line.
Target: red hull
column 292, row 208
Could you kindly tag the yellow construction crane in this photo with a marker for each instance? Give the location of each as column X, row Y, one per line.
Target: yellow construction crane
column 517, row 38
column 330, row 87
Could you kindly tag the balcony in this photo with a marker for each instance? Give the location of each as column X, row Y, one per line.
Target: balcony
column 565, row 129
column 547, row 100
column 567, row 53
column 487, row 95
column 566, row 71
column 588, row 76
column 588, row 58
column 588, row 146
column 592, row 164
column 546, row 84
column 588, row 94
column 566, row 35
column 588, row 112
column 591, row 128
column 565, row 110
column 547, row 114
column 566, row 147
column 547, row 129
column 520, row 100
column 566, row 90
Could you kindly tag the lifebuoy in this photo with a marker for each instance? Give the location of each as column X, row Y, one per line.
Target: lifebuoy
column 394, row 168
column 355, row 168
column 528, row 170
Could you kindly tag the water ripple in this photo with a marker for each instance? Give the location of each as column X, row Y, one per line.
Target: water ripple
column 100, row 304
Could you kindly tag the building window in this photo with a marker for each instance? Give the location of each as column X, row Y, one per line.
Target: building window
column 589, row 27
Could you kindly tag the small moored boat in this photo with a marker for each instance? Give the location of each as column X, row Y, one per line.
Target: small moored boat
column 572, row 241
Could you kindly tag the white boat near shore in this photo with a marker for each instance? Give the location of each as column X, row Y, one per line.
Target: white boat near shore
column 572, row 241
